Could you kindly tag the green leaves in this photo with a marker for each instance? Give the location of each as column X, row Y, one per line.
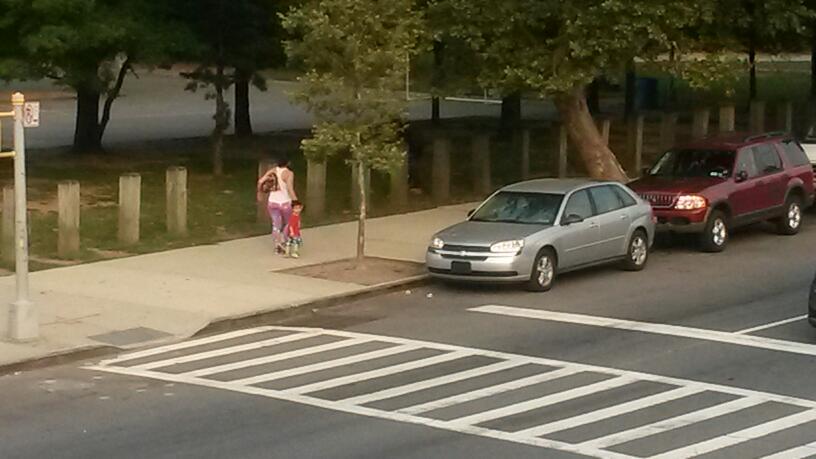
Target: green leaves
column 355, row 53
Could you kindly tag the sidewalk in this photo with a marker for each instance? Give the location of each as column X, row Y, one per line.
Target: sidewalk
column 169, row 296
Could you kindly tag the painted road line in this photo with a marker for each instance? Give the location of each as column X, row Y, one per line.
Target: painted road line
column 365, row 411
column 356, row 358
column 673, row 423
column 227, row 350
column 800, row 452
column 649, row 327
column 488, row 391
column 771, row 325
column 741, row 436
column 541, row 402
column 612, row 411
column 433, row 382
column 367, row 375
column 185, row 345
column 276, row 357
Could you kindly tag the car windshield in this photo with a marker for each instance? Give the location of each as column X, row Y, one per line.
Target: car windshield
column 518, row 207
column 695, row 163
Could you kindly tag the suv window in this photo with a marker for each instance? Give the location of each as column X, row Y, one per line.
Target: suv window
column 794, row 153
column 766, row 159
column 624, row 196
column 579, row 205
column 746, row 163
column 606, row 200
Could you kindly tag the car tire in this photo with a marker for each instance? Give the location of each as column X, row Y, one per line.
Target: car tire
column 716, row 233
column 791, row 221
column 542, row 275
column 637, row 252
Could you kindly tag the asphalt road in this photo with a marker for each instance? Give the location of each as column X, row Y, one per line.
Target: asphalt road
column 156, row 106
column 700, row 354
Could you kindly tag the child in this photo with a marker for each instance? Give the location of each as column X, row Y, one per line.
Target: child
column 293, row 231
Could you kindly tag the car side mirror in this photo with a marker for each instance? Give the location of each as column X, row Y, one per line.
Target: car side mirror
column 741, row 176
column 471, row 212
column 571, row 219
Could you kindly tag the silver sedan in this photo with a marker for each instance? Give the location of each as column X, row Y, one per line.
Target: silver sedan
column 532, row 231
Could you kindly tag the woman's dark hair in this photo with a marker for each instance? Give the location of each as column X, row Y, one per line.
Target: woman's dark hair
column 282, row 161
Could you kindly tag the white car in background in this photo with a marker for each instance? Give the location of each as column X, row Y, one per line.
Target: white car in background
column 809, row 145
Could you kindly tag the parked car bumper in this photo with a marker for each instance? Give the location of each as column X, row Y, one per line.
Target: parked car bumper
column 681, row 221
column 504, row 268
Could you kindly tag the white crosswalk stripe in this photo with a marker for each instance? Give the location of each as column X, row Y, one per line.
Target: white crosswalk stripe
column 444, row 380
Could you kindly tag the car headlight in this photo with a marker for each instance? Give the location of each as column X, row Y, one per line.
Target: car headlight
column 507, row 246
column 437, row 243
column 690, row 202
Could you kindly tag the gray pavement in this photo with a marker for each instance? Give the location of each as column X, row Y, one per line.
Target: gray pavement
column 713, row 369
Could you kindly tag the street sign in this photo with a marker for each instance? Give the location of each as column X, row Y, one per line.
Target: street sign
column 31, row 114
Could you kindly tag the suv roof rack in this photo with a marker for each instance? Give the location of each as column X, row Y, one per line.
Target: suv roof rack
column 766, row 135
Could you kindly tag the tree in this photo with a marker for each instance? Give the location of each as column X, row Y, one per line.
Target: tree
column 86, row 45
column 354, row 53
column 557, row 48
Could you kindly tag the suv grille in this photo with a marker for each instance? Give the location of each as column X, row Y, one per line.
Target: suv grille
column 659, row 200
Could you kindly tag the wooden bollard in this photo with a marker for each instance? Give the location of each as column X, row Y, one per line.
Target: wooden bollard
column 668, row 130
column 176, row 193
column 525, row 154
column 69, row 205
column 562, row 151
column 605, row 127
column 784, row 116
column 261, row 214
column 440, row 170
column 130, row 203
column 699, row 124
column 8, row 224
column 727, row 119
column 636, row 129
column 482, row 183
column 315, row 189
column 398, row 191
column 757, row 117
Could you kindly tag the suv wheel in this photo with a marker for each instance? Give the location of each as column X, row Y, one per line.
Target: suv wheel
column 791, row 221
column 716, row 233
column 638, row 252
column 543, row 273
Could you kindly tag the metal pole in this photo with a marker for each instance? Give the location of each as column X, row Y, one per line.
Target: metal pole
column 23, row 319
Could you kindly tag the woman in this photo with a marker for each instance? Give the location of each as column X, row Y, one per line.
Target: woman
column 281, row 183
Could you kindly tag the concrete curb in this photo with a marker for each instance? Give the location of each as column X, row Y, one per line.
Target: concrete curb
column 218, row 325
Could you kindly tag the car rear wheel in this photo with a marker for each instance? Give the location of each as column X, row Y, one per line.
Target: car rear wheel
column 638, row 252
column 543, row 273
column 716, row 234
column 791, row 221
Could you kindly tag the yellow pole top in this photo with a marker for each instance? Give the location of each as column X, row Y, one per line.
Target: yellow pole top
column 17, row 99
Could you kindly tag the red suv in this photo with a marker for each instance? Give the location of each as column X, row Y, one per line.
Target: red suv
column 716, row 184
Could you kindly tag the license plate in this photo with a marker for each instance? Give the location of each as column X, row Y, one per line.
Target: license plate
column 460, row 267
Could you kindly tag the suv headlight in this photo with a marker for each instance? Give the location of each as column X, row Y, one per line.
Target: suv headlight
column 690, row 202
column 437, row 243
column 507, row 246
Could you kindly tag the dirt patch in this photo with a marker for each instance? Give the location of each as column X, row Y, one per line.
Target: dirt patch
column 371, row 271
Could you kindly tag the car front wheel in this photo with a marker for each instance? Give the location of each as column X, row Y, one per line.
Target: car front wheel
column 716, row 233
column 791, row 221
column 543, row 273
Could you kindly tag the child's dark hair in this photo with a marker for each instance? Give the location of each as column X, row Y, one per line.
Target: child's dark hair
column 297, row 203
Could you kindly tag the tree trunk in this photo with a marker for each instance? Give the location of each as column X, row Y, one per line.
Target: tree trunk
column 813, row 61
column 511, row 110
column 752, row 85
column 630, row 96
column 86, row 134
column 361, row 221
column 221, row 122
column 243, row 122
column 111, row 97
column 600, row 161
column 438, row 78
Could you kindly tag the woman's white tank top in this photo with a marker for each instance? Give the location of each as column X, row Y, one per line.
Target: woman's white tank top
column 281, row 195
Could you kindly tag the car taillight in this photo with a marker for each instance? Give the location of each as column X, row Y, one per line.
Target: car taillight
column 690, row 202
